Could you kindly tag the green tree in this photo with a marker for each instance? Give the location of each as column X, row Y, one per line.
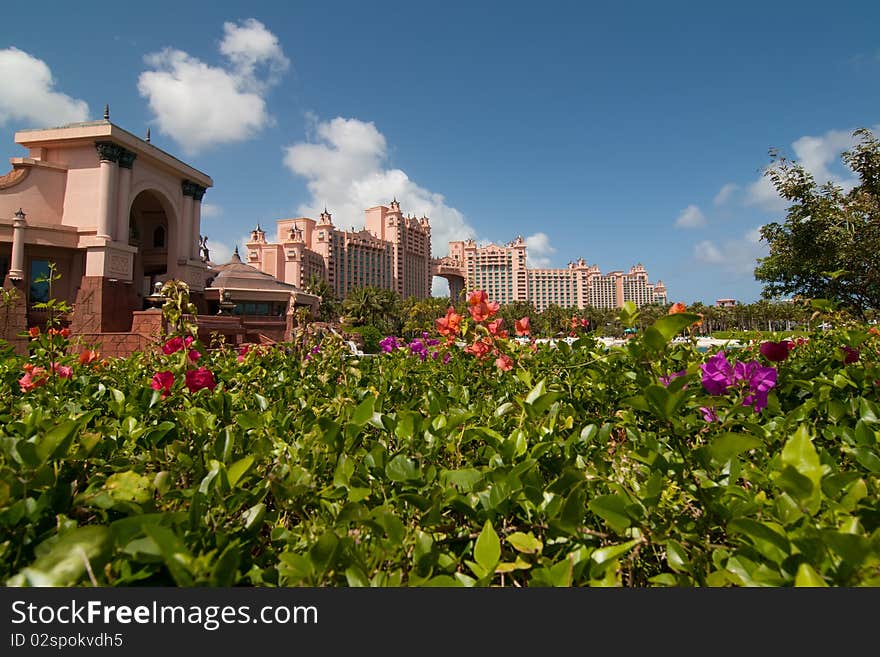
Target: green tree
column 829, row 245
column 330, row 308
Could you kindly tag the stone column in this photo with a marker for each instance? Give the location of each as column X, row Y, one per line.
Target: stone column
column 16, row 271
column 184, row 249
column 126, row 160
column 196, row 218
column 108, row 154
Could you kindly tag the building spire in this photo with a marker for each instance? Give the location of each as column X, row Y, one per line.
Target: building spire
column 148, row 136
column 106, row 111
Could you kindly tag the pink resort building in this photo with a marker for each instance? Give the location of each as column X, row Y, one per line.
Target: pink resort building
column 503, row 272
column 391, row 252
column 115, row 215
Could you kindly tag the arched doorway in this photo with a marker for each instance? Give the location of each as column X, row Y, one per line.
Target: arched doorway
column 152, row 233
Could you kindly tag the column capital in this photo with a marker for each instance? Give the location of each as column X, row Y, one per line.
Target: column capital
column 193, row 189
column 108, row 151
column 126, row 158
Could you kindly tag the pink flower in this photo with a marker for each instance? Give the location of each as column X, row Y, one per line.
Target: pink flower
column 34, row 377
column 200, row 378
column 193, row 355
column 242, row 352
column 850, row 355
column 665, row 380
column 504, row 363
column 63, row 371
column 523, row 326
column 163, row 381
column 709, row 414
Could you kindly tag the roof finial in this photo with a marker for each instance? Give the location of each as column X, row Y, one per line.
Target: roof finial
column 235, row 253
column 106, row 111
column 148, row 136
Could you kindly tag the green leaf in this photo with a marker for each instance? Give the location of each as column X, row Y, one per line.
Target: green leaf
column 612, row 509
column 867, row 458
column 727, row 445
column 539, row 389
column 800, row 454
column 65, row 563
column 669, row 326
column 806, row 576
column 225, row 570
column 676, row 557
column 610, row 552
column 400, row 468
column 526, row 543
column 364, row 411
column 238, row 469
column 56, row 441
column 129, row 487
column 487, row 549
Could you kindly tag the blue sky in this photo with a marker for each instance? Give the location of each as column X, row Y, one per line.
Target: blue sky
column 620, row 134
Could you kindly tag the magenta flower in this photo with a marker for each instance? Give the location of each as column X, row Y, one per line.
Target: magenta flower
column 389, row 344
column 850, row 355
column 194, row 355
column 717, row 374
column 200, row 378
column 776, row 351
column 760, row 379
column 674, row 375
column 162, row 381
column 175, row 344
column 446, row 357
column 709, row 414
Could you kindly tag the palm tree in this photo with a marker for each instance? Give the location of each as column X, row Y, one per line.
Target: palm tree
column 330, row 307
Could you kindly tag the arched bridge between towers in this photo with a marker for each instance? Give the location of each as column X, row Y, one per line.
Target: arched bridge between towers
column 453, row 272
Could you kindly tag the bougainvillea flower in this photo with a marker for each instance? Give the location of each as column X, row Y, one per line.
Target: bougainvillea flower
column 34, row 377
column 450, row 325
column 88, row 356
column 522, row 326
column 446, row 357
column 193, row 355
column 482, row 311
column 200, row 378
column 674, row 375
column 389, row 344
column 717, row 374
column 477, row 297
column 504, row 363
column 677, row 307
column 242, row 352
column 418, row 348
column 709, row 414
column 63, row 371
column 34, row 331
column 850, row 355
column 480, row 348
column 162, row 381
column 175, row 344
column 495, row 328
column 760, row 380
column 776, row 351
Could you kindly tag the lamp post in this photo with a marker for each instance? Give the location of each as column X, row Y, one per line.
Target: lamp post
column 16, row 272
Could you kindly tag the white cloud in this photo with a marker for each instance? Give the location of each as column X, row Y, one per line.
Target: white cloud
column 27, row 93
column 735, row 256
column 199, row 105
column 344, row 166
column 690, row 217
column 539, row 251
column 220, row 252
column 725, row 193
column 439, row 287
column 210, row 210
column 820, row 156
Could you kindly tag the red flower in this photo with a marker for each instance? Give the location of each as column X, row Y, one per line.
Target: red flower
column 63, row 371
column 175, row 344
column 34, row 332
column 200, row 378
column 163, row 381
column 776, row 351
column 88, row 357
column 483, row 311
column 480, row 348
column 477, row 297
column 448, row 326
column 504, row 363
column 677, row 307
column 522, row 326
column 194, row 355
column 65, row 333
column 850, row 355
